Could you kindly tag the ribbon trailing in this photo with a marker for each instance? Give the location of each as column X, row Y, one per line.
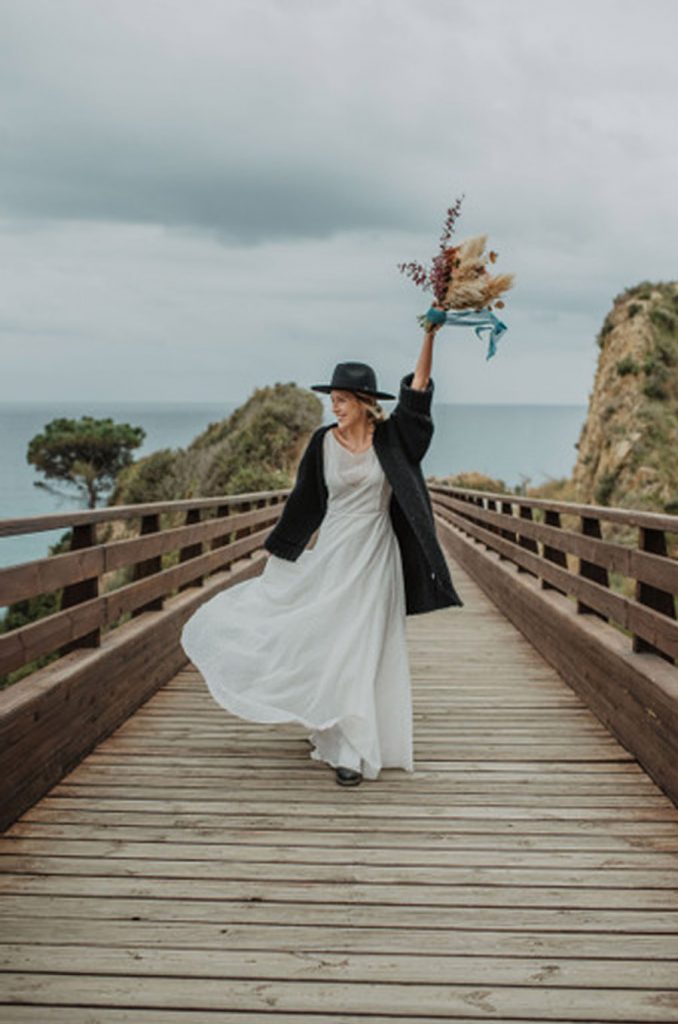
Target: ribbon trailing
column 481, row 320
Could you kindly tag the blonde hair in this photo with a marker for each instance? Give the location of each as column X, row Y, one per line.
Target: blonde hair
column 375, row 412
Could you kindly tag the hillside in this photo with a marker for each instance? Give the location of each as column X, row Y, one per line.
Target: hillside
column 256, row 448
column 628, row 445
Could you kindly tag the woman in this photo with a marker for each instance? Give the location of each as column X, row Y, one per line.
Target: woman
column 319, row 637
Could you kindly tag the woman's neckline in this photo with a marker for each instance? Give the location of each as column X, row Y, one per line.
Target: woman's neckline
column 362, row 452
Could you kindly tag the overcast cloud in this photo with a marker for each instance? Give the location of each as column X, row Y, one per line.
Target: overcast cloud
column 201, row 198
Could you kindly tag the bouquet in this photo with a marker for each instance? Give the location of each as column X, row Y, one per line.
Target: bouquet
column 464, row 292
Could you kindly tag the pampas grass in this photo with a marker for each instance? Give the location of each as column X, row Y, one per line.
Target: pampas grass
column 470, row 285
column 458, row 275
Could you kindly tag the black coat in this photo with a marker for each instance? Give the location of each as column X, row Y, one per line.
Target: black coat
column 400, row 443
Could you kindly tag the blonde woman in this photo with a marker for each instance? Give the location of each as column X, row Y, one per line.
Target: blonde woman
column 319, row 637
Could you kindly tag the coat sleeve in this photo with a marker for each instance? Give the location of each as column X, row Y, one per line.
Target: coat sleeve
column 304, row 508
column 412, row 417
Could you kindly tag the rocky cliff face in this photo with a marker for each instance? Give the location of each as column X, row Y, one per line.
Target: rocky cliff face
column 628, row 445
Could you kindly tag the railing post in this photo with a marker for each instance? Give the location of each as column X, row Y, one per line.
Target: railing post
column 149, row 524
column 82, row 536
column 244, row 531
column 552, row 518
column 191, row 550
column 491, row 507
column 590, row 527
column 507, row 509
column 223, row 512
column 527, row 542
column 653, row 541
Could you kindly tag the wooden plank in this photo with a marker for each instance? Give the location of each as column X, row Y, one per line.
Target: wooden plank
column 338, row 873
column 303, row 849
column 345, row 892
column 561, row 920
column 142, row 1015
column 346, row 967
column 253, row 794
column 116, row 1015
column 583, row 1004
column 463, row 836
column 513, row 796
column 280, row 936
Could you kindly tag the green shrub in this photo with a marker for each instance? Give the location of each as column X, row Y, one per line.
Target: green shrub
column 605, row 487
column 640, row 291
column 662, row 319
column 654, row 389
column 604, row 331
column 666, row 352
column 627, row 365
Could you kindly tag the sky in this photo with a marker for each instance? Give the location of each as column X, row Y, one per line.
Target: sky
column 198, row 199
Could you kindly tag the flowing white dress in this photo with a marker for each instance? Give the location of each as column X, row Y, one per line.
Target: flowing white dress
column 321, row 641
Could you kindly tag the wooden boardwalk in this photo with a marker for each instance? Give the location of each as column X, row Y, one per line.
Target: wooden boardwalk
column 198, row 868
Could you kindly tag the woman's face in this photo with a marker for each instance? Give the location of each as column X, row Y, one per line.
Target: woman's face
column 347, row 408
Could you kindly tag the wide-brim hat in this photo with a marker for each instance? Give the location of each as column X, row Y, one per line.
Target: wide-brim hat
column 353, row 377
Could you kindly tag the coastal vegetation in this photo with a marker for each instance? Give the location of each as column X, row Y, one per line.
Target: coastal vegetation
column 86, row 455
column 256, row 448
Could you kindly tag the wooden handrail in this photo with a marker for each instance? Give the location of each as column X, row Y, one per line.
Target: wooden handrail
column 627, row 516
column 649, row 616
column 237, row 529
column 55, row 520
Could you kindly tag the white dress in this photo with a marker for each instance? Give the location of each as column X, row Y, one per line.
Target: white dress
column 321, row 640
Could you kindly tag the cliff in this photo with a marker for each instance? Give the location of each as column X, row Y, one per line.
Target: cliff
column 627, row 451
column 628, row 445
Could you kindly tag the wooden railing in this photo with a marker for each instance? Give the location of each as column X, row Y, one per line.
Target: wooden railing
column 113, row 638
column 530, row 532
column 214, row 532
column 594, row 590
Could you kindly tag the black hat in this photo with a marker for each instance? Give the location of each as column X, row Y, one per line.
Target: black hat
column 353, row 377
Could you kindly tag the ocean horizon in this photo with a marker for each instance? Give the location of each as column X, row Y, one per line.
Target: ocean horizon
column 518, row 444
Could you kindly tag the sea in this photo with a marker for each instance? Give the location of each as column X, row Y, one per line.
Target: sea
column 519, row 444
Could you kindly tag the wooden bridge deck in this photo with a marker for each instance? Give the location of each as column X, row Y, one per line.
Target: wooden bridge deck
column 197, row 868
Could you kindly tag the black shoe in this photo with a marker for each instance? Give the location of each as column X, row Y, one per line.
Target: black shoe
column 348, row 776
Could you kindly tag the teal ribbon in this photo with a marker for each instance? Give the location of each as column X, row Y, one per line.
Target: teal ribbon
column 482, row 320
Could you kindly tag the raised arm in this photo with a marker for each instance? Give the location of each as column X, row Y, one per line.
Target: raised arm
column 422, row 370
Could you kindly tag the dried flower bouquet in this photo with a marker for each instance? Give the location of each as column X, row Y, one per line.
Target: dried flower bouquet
column 464, row 291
